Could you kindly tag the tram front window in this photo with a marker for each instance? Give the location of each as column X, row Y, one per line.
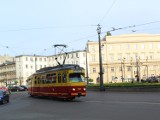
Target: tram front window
column 76, row 77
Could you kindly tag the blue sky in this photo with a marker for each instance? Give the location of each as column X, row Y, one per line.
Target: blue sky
column 34, row 26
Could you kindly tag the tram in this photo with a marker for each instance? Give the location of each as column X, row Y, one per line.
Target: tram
column 62, row 81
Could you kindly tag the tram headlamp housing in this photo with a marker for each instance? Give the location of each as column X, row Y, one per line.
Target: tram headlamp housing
column 84, row 89
column 73, row 89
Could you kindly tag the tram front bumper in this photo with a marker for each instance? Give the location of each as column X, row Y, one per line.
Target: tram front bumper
column 78, row 94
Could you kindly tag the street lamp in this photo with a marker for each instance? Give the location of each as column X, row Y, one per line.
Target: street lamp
column 122, row 68
column 87, row 65
column 137, row 65
column 102, row 88
column 122, row 71
column 35, row 62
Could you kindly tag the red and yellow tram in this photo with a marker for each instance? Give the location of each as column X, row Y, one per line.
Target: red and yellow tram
column 62, row 81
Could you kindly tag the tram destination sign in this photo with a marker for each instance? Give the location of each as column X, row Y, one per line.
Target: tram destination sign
column 77, row 71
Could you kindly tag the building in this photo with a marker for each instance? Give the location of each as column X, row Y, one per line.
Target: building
column 26, row 65
column 125, row 57
column 7, row 73
column 4, row 58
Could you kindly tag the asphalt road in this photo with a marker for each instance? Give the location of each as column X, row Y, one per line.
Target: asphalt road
column 95, row 106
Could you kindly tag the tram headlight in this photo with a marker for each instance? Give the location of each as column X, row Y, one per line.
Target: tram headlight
column 73, row 89
column 84, row 89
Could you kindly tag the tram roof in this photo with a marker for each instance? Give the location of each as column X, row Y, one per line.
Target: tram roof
column 59, row 67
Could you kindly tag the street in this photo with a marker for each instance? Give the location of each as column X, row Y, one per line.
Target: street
column 95, row 106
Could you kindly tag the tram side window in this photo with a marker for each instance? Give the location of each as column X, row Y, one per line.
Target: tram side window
column 59, row 78
column 64, row 79
column 43, row 79
column 54, row 77
column 35, row 82
column 49, row 78
column 39, row 81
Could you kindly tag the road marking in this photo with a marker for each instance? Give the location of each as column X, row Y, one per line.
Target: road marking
column 124, row 102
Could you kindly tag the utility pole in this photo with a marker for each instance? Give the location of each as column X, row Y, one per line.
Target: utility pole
column 102, row 88
column 137, row 65
column 122, row 71
column 87, row 65
column 35, row 62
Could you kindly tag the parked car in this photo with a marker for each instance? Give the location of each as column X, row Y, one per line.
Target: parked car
column 4, row 97
column 16, row 88
column 25, row 87
column 152, row 80
column 5, row 89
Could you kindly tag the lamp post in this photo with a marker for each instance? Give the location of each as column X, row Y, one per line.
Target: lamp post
column 122, row 71
column 35, row 62
column 137, row 65
column 87, row 66
column 102, row 88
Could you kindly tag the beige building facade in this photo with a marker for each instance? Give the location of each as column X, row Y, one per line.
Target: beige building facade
column 7, row 73
column 125, row 57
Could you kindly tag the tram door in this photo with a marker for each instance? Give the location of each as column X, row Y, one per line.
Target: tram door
column 42, row 84
column 62, row 84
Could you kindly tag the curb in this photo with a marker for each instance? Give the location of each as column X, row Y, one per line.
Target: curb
column 128, row 89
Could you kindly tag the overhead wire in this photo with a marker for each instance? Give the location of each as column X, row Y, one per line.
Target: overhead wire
column 41, row 28
column 108, row 11
column 90, row 36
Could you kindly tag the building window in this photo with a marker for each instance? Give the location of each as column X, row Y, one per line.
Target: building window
column 150, row 46
column 128, row 68
column 143, row 55
column 158, row 45
column 135, row 55
column 40, row 59
column 77, row 62
column 158, row 55
column 93, row 49
column 31, row 59
column 151, row 56
column 120, row 56
column 26, row 66
column 113, row 78
column 40, row 66
column 153, row 67
column 128, row 47
column 26, row 58
column 143, row 46
column 45, row 59
column 158, row 67
column 93, row 58
column 111, row 57
column 94, row 70
column 119, row 47
column 77, row 55
column 111, row 47
column 128, row 56
column 120, row 68
column 135, row 46
column 112, row 69
column 84, row 54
